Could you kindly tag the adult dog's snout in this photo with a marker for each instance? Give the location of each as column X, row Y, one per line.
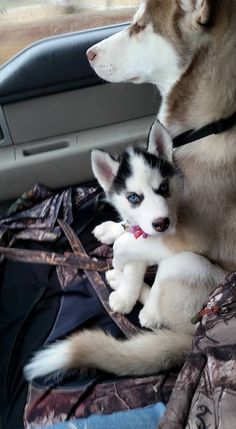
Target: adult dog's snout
column 161, row 224
column 91, row 54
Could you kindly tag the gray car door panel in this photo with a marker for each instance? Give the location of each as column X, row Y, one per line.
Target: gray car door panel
column 54, row 110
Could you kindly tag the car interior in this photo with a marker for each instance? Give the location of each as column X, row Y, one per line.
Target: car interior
column 53, row 108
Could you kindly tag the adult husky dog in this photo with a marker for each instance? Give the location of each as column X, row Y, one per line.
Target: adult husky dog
column 187, row 49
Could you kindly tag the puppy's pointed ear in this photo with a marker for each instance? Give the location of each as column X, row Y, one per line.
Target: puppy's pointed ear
column 104, row 168
column 199, row 10
column 160, row 142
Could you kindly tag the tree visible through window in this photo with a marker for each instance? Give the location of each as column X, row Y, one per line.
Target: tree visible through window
column 23, row 22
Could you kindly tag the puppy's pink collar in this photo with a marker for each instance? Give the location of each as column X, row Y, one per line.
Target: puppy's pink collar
column 135, row 230
column 138, row 232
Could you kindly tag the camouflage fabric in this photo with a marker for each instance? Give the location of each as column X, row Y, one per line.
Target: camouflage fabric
column 34, row 215
column 204, row 395
column 54, row 405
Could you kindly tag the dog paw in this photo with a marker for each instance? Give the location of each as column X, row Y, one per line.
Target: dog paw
column 108, row 232
column 149, row 318
column 120, row 302
column 114, row 278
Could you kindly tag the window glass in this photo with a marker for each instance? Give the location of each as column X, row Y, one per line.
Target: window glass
column 25, row 21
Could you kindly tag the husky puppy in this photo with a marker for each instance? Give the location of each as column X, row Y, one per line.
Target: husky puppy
column 144, row 187
column 187, row 49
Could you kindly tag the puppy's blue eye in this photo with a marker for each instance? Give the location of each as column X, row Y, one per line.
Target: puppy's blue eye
column 134, row 198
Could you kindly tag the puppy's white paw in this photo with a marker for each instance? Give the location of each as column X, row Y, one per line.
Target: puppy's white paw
column 120, row 302
column 149, row 317
column 108, row 232
column 114, row 278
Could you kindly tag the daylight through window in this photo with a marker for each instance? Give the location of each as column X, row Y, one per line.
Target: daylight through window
column 23, row 22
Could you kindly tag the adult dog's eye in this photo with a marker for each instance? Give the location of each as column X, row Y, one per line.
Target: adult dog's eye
column 164, row 188
column 134, row 198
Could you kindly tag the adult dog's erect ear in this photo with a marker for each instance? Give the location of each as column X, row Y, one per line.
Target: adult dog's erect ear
column 199, row 10
column 104, row 168
column 160, row 142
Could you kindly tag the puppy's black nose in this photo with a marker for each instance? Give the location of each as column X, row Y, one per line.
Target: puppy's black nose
column 161, row 224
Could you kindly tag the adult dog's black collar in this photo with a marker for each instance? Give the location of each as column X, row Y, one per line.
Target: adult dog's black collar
column 213, row 128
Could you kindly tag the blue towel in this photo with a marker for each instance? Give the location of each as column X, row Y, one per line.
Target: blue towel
column 139, row 418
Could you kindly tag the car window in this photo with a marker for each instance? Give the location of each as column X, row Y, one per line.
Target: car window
column 23, row 22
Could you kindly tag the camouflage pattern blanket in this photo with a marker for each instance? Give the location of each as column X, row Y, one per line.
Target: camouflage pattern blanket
column 204, row 396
